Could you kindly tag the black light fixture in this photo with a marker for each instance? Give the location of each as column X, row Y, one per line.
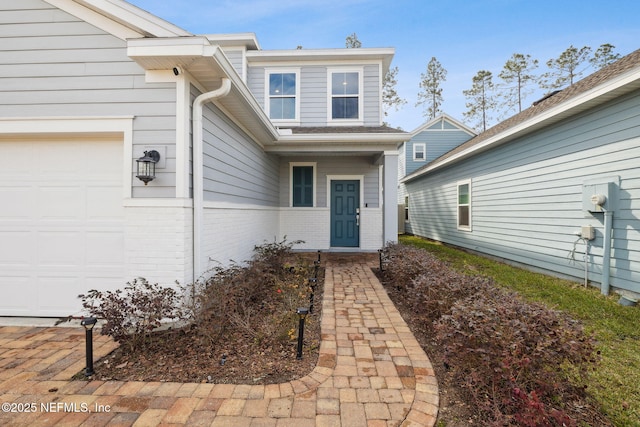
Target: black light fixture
column 302, row 313
column 147, row 166
column 88, row 323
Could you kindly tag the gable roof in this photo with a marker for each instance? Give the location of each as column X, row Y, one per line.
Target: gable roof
column 441, row 118
column 613, row 81
column 120, row 18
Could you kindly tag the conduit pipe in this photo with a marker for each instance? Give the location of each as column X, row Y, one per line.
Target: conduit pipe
column 198, row 169
column 606, row 255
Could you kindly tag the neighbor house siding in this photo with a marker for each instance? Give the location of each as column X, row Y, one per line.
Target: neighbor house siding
column 526, row 198
column 314, row 92
column 437, row 143
column 53, row 64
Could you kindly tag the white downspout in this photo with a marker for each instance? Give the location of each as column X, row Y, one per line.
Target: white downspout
column 198, row 169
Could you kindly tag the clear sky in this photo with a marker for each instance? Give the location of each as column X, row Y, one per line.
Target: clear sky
column 464, row 35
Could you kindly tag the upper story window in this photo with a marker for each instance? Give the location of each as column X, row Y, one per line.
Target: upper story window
column 345, row 95
column 283, row 95
column 419, row 152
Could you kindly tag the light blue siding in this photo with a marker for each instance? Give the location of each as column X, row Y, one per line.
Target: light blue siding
column 53, row 64
column 527, row 195
column 236, row 169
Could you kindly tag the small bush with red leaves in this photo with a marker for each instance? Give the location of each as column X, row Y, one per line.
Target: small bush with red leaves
column 516, row 363
column 519, row 363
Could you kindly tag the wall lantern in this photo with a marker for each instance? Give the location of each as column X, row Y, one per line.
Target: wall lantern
column 147, row 166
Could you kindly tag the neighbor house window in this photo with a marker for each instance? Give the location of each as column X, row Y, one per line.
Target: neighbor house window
column 303, row 184
column 464, row 205
column 345, row 93
column 419, row 152
column 406, row 208
column 282, row 103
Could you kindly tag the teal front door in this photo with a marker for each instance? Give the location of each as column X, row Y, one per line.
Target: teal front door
column 345, row 213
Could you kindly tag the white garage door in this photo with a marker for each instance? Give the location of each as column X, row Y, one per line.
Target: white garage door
column 61, row 223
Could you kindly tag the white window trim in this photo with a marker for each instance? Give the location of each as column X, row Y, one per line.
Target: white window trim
column 315, row 182
column 424, row 152
column 464, row 227
column 346, row 122
column 267, row 96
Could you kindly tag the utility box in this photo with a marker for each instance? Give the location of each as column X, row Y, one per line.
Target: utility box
column 600, row 196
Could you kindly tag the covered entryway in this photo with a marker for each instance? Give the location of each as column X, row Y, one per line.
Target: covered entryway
column 61, row 222
column 345, row 213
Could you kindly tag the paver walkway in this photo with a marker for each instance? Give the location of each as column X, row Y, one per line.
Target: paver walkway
column 371, row 372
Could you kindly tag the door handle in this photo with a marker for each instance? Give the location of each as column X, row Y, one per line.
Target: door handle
column 358, row 217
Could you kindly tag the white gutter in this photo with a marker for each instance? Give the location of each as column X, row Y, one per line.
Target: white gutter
column 198, row 166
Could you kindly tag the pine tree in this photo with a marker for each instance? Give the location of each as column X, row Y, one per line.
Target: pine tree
column 517, row 76
column 430, row 88
column 604, row 56
column 565, row 69
column 352, row 42
column 390, row 97
column 481, row 99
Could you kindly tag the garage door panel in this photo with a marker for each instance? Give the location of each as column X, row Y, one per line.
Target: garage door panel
column 16, row 161
column 57, row 295
column 60, row 249
column 18, row 202
column 61, row 223
column 61, row 202
column 16, row 249
column 17, row 294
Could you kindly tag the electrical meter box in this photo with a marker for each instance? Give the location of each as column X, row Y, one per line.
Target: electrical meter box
column 600, row 196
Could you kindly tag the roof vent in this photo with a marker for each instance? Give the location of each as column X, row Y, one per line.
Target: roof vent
column 549, row 95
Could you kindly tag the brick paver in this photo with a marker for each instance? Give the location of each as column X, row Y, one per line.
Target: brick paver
column 371, row 372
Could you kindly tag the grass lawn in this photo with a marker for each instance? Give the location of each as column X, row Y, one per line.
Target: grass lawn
column 615, row 384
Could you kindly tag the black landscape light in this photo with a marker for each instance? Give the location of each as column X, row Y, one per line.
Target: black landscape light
column 313, row 282
column 302, row 314
column 147, row 166
column 89, row 323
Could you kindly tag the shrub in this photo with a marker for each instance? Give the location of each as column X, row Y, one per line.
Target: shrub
column 133, row 313
column 260, row 297
column 405, row 263
column 519, row 363
column 515, row 363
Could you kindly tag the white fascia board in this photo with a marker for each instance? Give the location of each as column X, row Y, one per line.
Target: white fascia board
column 347, row 138
column 170, row 47
column 248, row 40
column 340, row 55
column 631, row 79
column 119, row 18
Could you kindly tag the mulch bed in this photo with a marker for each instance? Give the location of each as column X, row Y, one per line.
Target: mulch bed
column 184, row 356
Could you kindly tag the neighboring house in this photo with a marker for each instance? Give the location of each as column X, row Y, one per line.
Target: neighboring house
column 524, row 190
column 254, row 146
column 427, row 142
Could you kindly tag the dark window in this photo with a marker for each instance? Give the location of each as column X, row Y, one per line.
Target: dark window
column 303, row 186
